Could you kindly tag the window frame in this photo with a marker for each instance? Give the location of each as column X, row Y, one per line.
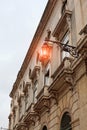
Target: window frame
column 35, row 87
column 65, row 40
column 66, row 122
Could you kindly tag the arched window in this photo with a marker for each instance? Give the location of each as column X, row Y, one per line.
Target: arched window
column 66, row 122
column 44, row 128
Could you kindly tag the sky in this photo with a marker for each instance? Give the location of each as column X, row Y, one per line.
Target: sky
column 18, row 22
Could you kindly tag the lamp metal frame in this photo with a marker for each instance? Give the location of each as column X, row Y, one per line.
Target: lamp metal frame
column 65, row 47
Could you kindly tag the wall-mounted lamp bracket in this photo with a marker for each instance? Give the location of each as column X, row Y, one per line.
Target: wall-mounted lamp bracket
column 65, row 47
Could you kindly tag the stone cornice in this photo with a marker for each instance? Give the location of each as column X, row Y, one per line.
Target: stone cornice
column 45, row 17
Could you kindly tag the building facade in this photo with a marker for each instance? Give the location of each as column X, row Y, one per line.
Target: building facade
column 50, row 92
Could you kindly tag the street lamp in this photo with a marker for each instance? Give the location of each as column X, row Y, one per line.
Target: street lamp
column 67, row 48
column 45, row 51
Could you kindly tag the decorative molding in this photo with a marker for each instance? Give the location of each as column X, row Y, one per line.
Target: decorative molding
column 63, row 76
column 64, row 23
column 69, row 79
column 43, row 102
column 31, row 115
column 53, row 95
column 15, row 103
column 26, row 87
column 20, row 95
column 42, row 105
column 35, row 72
column 22, row 126
column 31, row 118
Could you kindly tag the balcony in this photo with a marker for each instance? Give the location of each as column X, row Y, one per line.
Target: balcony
column 63, row 77
column 30, row 115
column 42, row 100
column 21, row 126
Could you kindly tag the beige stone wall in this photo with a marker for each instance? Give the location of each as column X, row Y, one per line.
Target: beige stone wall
column 52, row 119
column 82, row 86
column 84, row 10
column 73, row 101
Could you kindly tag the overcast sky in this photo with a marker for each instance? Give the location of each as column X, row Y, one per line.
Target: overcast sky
column 18, row 22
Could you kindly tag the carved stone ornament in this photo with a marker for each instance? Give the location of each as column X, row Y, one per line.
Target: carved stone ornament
column 35, row 72
column 43, row 101
column 63, row 77
column 69, row 79
column 54, row 95
column 26, row 87
column 31, row 115
column 22, row 126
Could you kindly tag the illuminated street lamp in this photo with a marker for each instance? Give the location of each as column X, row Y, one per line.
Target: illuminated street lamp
column 65, row 47
column 45, row 52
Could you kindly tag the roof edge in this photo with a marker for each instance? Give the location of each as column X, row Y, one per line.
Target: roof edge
column 42, row 24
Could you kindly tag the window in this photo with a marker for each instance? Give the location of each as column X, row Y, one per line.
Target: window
column 35, row 76
column 14, row 117
column 35, row 91
column 29, row 72
column 26, row 100
column 44, row 128
column 46, row 78
column 66, row 122
column 65, row 40
column 20, row 109
column 62, row 31
column 47, row 75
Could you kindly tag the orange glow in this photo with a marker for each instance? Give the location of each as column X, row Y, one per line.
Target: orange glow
column 44, row 54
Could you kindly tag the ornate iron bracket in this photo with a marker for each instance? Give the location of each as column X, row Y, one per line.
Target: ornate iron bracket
column 65, row 47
